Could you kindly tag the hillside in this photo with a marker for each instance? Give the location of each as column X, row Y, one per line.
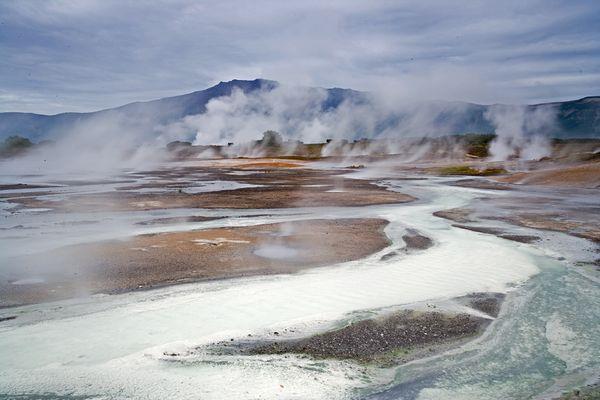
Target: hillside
column 575, row 119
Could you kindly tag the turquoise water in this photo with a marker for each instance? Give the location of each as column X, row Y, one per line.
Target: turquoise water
column 546, row 339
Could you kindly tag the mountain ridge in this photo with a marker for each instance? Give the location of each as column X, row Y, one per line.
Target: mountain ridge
column 576, row 118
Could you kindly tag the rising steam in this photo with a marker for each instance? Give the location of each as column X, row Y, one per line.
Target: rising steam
column 303, row 114
column 521, row 132
column 116, row 140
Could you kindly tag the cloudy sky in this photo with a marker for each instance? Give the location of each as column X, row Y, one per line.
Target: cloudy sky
column 83, row 55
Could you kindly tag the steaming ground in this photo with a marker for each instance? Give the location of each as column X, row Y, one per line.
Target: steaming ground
column 120, row 345
column 159, row 259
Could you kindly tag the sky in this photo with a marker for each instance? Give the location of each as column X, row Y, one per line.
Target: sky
column 85, row 55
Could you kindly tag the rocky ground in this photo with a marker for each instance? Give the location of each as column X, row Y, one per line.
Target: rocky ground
column 488, row 303
column 388, row 339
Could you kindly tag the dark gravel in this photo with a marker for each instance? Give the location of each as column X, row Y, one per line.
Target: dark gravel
column 521, row 238
column 480, row 229
column 590, row 392
column 382, row 339
column 488, row 303
column 500, row 233
column 178, row 220
column 481, row 184
column 415, row 241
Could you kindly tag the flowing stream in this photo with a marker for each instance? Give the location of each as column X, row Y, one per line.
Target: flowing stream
column 113, row 346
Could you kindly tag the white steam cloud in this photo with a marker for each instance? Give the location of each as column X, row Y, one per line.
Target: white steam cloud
column 104, row 144
column 521, row 132
column 299, row 114
column 294, row 112
column 117, row 140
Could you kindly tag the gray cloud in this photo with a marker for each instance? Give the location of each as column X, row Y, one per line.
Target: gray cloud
column 84, row 55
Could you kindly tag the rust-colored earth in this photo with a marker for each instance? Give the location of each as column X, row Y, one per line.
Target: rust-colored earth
column 160, row 259
column 582, row 175
column 278, row 188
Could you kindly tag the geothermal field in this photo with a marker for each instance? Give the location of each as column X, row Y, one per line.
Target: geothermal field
column 302, row 277
column 299, row 200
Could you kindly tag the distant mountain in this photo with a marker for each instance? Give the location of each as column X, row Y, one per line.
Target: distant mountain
column 169, row 109
column 577, row 118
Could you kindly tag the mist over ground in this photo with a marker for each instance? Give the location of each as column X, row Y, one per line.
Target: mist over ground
column 422, row 70
column 238, row 112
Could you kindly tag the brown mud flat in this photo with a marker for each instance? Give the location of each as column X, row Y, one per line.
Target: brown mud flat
column 251, row 198
column 581, row 175
column 553, row 222
column 460, row 215
column 154, row 260
column 415, row 241
column 528, row 213
column 575, row 212
column 280, row 188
